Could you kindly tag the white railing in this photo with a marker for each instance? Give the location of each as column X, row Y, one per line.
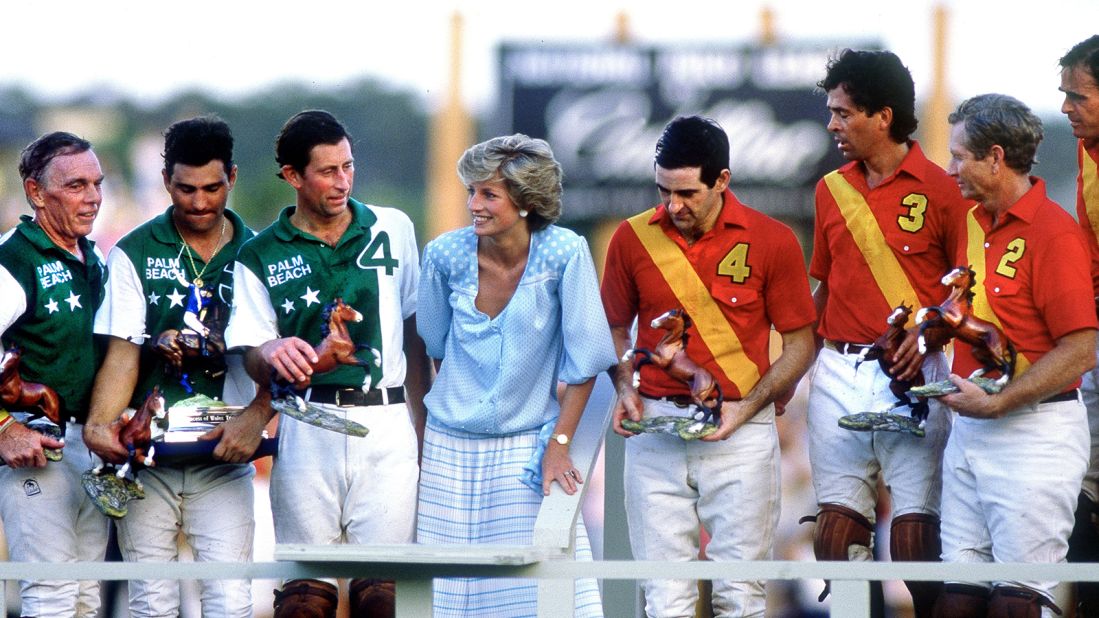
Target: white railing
column 549, row 560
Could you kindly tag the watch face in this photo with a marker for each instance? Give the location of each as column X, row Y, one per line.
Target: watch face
column 562, row 438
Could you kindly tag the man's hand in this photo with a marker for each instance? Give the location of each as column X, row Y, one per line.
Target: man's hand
column 292, row 358
column 972, row 400
column 22, row 448
column 733, row 415
column 628, row 406
column 907, row 361
column 102, row 439
column 239, row 437
column 167, row 347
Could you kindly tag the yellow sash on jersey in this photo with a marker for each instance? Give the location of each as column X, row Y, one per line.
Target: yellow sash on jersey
column 1089, row 181
column 975, row 252
column 711, row 324
column 887, row 271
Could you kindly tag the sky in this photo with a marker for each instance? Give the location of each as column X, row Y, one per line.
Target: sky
column 148, row 50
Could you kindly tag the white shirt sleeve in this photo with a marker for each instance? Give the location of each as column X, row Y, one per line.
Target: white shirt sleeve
column 122, row 313
column 410, row 272
column 252, row 321
column 15, row 300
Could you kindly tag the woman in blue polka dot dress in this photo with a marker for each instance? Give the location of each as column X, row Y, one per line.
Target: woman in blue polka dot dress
column 509, row 308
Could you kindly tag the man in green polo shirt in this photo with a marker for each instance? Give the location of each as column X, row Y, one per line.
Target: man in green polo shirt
column 161, row 272
column 327, row 487
column 51, row 280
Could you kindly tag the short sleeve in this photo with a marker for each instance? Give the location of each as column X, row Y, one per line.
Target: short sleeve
column 789, row 302
column 252, row 320
column 619, row 290
column 588, row 348
column 122, row 313
column 15, row 300
column 433, row 312
column 410, row 269
column 821, row 262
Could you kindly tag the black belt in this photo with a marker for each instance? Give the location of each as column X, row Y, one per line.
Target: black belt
column 352, row 397
column 1072, row 395
column 844, row 347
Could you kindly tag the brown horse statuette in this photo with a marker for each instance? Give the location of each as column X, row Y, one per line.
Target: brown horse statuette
column 882, row 350
column 670, row 354
column 336, row 348
column 18, row 394
column 136, row 433
column 954, row 318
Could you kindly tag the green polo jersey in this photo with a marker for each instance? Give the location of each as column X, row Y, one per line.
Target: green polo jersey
column 151, row 274
column 301, row 274
column 54, row 330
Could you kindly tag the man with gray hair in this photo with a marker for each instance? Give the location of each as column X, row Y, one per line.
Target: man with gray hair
column 1028, row 444
column 51, row 280
column 1080, row 83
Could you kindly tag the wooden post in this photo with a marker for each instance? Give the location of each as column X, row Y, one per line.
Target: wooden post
column 935, row 131
column 451, row 134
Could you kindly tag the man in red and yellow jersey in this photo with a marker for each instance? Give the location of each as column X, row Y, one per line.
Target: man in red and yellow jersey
column 886, row 227
column 1080, row 83
column 1015, row 460
column 736, row 273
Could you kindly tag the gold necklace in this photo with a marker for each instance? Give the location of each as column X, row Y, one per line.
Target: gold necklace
column 197, row 281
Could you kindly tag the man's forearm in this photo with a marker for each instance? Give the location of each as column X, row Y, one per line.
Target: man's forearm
column 115, row 381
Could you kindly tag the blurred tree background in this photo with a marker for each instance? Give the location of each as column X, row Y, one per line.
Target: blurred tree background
column 389, row 127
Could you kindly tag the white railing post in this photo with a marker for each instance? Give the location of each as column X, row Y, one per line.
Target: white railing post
column 555, row 528
column 850, row 598
column 414, row 598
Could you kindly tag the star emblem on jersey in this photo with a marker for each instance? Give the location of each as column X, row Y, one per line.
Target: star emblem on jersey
column 310, row 296
column 288, row 306
column 176, row 298
column 73, row 300
column 51, row 306
column 154, row 298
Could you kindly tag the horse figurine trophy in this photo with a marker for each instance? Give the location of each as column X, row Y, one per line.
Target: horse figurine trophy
column 112, row 487
column 36, row 405
column 670, row 354
column 954, row 318
column 336, row 348
column 882, row 350
column 200, row 344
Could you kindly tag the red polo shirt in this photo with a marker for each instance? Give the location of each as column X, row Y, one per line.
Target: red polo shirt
column 1036, row 276
column 921, row 214
column 765, row 284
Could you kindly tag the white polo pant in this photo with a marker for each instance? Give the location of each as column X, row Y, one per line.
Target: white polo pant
column 847, row 465
column 730, row 487
column 1089, row 390
column 48, row 518
column 329, row 488
column 212, row 505
column 1010, row 486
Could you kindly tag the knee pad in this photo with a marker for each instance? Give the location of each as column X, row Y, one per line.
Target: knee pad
column 1016, row 602
column 842, row 534
column 915, row 538
column 373, row 598
column 306, row 598
column 962, row 601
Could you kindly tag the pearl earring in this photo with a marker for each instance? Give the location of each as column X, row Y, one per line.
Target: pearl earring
column 522, row 212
